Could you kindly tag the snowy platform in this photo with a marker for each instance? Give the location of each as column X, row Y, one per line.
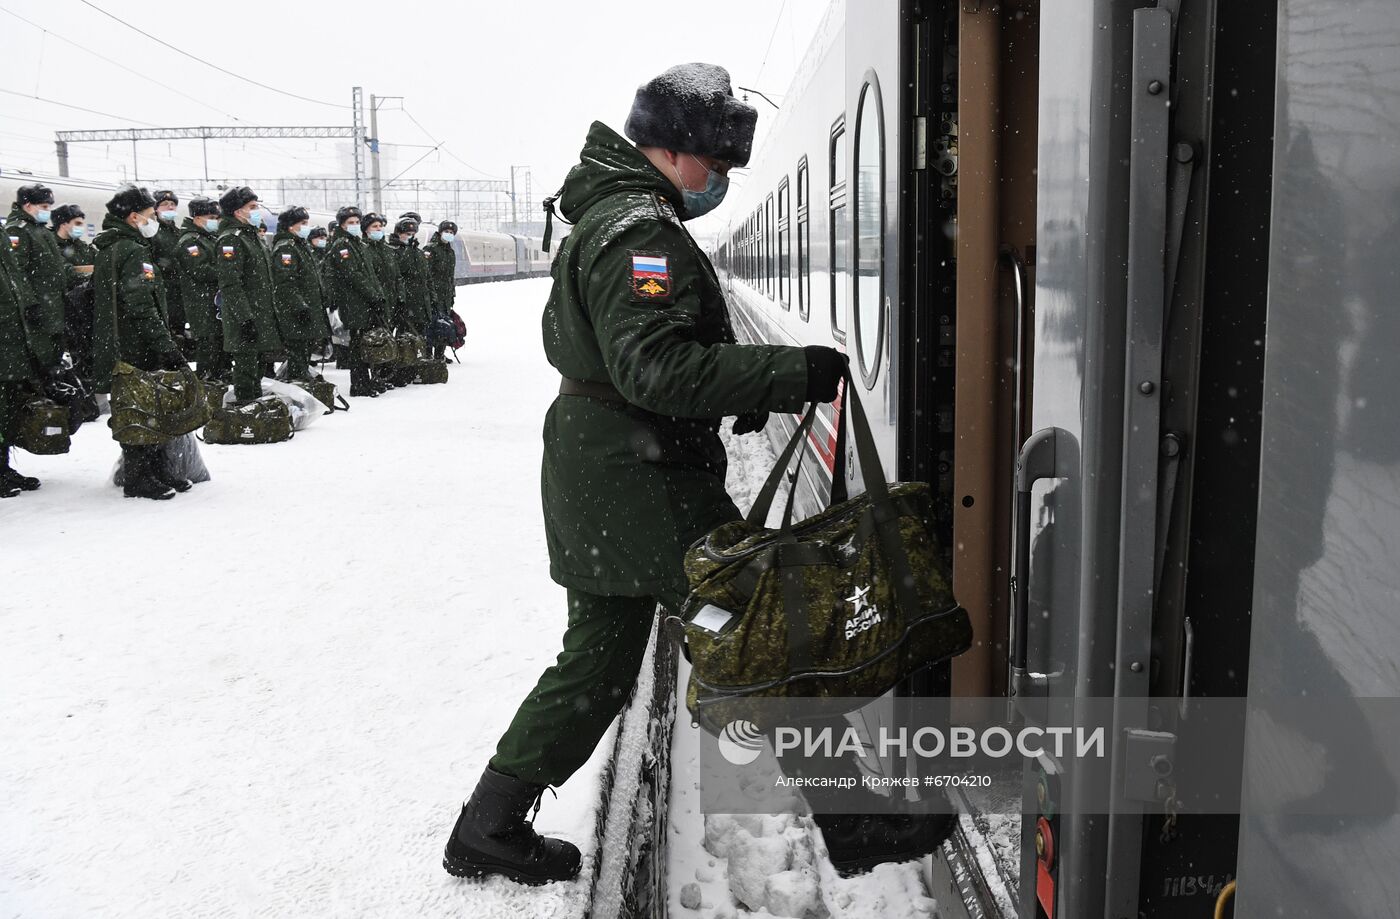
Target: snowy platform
column 268, row 696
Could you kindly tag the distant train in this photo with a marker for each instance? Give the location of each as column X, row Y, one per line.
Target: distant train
column 480, row 256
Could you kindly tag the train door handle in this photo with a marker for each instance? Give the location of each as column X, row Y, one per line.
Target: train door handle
column 1036, row 461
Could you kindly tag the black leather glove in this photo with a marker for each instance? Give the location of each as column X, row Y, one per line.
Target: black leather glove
column 248, row 331
column 750, row 422
column 825, row 368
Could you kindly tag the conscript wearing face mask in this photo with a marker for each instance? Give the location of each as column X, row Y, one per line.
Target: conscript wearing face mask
column 255, row 219
column 150, row 228
column 304, row 230
column 353, row 229
column 319, row 243
column 376, row 235
column 447, row 237
column 698, row 203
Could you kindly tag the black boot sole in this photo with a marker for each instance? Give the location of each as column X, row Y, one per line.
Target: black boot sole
column 464, row 869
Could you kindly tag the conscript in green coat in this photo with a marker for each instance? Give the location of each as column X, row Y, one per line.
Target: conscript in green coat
column 352, row 287
column 415, row 280
column 297, row 285
column 195, row 259
column 245, row 291
column 633, row 471
column 18, row 373
column 36, row 253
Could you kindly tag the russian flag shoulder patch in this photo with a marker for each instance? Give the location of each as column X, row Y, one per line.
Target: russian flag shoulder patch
column 651, row 278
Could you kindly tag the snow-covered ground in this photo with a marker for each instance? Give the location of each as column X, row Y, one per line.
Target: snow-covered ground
column 268, row 696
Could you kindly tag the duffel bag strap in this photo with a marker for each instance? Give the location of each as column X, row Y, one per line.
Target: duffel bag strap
column 799, row 645
column 758, row 512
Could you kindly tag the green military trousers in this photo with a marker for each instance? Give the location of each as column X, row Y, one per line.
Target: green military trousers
column 210, row 358
column 11, row 401
column 247, row 376
column 565, row 715
column 298, row 359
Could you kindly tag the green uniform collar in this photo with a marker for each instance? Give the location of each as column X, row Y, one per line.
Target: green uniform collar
column 114, row 229
column 609, row 165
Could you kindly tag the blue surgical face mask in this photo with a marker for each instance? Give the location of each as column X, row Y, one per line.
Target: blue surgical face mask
column 75, row 231
column 319, row 242
column 211, row 225
column 166, row 215
column 698, row 203
column 304, row 230
column 255, row 219
column 448, row 237
column 353, row 229
column 376, row 235
column 42, row 216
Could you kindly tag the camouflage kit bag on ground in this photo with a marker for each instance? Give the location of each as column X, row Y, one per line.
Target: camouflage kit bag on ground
column 411, row 349
column 150, row 407
column 325, row 392
column 430, row 372
column 846, row 603
column 378, row 347
column 265, row 420
column 214, row 391
column 43, row 427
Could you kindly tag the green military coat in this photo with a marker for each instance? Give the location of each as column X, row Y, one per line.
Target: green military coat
column 297, row 286
column 166, row 245
column 627, row 487
column 195, row 255
column 352, row 283
column 129, row 318
column 76, row 252
column 386, row 269
column 15, row 295
column 415, row 285
column 245, row 289
column 37, row 255
column 442, row 269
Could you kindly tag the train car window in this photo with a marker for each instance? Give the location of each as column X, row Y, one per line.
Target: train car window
column 838, row 241
column 770, row 249
column 804, row 242
column 869, row 213
column 784, row 243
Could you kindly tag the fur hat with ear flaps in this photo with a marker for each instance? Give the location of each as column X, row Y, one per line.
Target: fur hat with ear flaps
column 691, row 108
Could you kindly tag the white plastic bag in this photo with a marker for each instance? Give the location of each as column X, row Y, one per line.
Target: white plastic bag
column 339, row 334
column 180, row 459
column 305, row 407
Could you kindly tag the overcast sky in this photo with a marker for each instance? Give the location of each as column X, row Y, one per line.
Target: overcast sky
column 498, row 83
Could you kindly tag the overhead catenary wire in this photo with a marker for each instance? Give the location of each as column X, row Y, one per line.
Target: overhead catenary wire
column 428, row 134
column 200, row 60
column 78, row 108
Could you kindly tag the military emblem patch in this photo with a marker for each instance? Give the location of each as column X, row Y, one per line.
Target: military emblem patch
column 286, row 258
column 148, row 271
column 344, row 253
column 193, row 250
column 14, row 242
column 227, row 251
column 651, row 278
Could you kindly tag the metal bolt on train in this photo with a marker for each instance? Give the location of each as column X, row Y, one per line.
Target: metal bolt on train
column 1114, row 277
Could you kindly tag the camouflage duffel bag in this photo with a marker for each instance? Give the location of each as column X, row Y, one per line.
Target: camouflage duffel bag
column 214, row 391
column 378, row 347
column 265, row 420
column 411, row 349
column 430, row 372
column 846, row 603
column 150, row 407
column 43, row 428
column 325, row 393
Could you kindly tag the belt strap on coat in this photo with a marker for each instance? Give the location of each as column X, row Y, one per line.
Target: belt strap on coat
column 572, row 387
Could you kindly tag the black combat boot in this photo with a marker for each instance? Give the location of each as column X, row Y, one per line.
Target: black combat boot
column 137, row 481
column 360, row 384
column 161, row 474
column 11, row 482
column 856, row 843
column 492, row 836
